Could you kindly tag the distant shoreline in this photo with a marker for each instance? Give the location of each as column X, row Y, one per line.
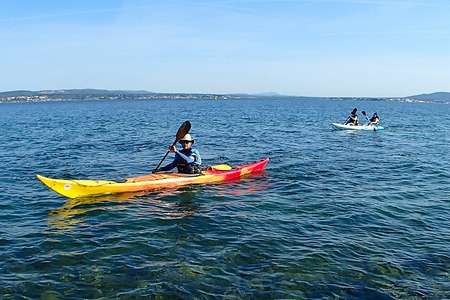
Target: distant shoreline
column 96, row 95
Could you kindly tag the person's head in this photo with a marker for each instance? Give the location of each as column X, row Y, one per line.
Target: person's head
column 187, row 141
column 375, row 114
column 354, row 111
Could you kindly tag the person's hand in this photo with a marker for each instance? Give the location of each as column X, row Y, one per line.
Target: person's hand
column 172, row 148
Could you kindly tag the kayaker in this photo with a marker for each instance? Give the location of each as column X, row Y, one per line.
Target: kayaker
column 353, row 118
column 374, row 120
column 187, row 160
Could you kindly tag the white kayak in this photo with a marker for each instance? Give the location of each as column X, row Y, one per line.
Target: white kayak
column 357, row 127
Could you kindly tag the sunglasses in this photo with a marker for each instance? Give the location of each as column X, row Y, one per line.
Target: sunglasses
column 185, row 142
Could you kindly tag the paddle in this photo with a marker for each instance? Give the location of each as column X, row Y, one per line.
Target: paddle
column 182, row 131
column 365, row 115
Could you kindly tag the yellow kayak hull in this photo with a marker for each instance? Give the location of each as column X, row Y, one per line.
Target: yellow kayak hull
column 72, row 188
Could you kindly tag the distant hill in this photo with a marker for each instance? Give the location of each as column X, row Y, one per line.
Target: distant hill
column 102, row 94
column 439, row 97
column 69, row 92
column 17, row 93
column 268, row 94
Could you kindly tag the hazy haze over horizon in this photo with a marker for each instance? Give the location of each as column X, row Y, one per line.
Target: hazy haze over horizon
column 311, row 48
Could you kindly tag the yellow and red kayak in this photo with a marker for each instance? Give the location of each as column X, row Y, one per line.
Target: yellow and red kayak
column 84, row 188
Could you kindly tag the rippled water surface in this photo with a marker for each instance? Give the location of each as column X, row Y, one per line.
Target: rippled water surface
column 337, row 214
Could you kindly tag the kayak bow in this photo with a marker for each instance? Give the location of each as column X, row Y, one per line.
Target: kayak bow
column 83, row 188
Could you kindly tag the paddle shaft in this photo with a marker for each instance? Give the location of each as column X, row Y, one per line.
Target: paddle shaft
column 365, row 115
column 167, row 153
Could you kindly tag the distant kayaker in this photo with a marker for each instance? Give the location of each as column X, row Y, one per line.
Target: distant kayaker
column 374, row 120
column 353, row 118
column 187, row 160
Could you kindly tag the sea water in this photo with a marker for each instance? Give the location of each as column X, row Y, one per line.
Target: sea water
column 337, row 214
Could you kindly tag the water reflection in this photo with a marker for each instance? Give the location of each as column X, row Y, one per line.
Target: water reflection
column 163, row 204
column 243, row 187
column 74, row 211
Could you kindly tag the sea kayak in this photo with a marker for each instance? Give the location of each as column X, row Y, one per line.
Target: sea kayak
column 84, row 188
column 357, row 127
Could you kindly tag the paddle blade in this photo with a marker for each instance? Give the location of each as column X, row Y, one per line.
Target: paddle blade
column 183, row 130
column 364, row 113
column 221, row 167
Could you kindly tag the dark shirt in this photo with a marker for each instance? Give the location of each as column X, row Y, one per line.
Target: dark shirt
column 352, row 119
column 187, row 161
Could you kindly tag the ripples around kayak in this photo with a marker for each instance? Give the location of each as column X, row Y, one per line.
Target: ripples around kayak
column 337, row 214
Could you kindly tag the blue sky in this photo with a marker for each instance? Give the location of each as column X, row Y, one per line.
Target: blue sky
column 295, row 47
